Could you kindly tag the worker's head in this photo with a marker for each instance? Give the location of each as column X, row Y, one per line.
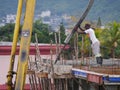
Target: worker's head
column 87, row 26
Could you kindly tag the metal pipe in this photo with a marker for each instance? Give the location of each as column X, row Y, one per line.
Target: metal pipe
column 14, row 45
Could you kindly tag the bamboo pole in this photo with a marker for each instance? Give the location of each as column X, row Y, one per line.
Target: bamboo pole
column 82, row 51
column 52, row 68
column 57, row 50
column 66, row 85
column 31, row 77
column 37, row 49
column 31, row 86
column 59, row 37
column 76, row 47
column 39, row 84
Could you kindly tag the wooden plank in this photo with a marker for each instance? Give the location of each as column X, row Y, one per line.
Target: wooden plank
column 95, row 78
column 42, row 75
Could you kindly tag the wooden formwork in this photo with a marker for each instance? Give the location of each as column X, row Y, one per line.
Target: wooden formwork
column 44, row 81
column 113, row 70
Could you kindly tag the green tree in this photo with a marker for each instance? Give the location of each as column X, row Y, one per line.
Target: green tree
column 6, row 32
column 42, row 32
column 117, row 50
column 111, row 37
column 62, row 32
column 99, row 23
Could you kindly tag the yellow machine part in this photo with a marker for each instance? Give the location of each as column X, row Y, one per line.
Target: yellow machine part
column 25, row 45
column 14, row 45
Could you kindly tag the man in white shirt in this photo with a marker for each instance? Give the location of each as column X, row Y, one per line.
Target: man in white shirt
column 95, row 42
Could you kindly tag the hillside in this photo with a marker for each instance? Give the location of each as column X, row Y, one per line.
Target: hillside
column 108, row 10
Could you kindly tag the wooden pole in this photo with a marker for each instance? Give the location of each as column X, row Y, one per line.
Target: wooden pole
column 52, row 68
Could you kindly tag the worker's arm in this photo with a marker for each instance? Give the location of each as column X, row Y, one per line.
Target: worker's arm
column 82, row 31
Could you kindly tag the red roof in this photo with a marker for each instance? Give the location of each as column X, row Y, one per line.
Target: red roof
column 44, row 49
column 4, row 87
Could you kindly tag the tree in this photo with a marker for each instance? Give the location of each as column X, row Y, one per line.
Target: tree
column 111, row 37
column 99, row 23
column 6, row 32
column 62, row 32
column 42, row 31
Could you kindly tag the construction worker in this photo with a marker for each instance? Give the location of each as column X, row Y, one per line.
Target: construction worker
column 95, row 44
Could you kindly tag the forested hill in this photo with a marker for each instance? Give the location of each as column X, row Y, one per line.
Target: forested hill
column 108, row 10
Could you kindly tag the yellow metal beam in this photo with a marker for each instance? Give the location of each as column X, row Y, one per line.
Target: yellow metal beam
column 25, row 45
column 14, row 45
